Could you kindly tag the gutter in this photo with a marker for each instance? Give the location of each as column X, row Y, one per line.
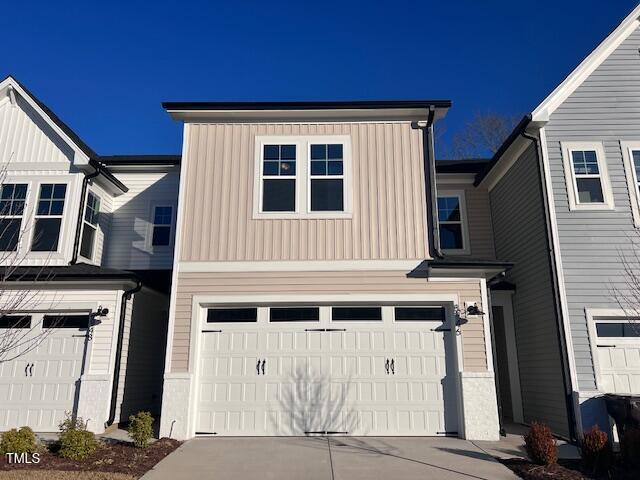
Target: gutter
column 83, row 199
column 557, row 304
column 126, row 295
column 108, row 175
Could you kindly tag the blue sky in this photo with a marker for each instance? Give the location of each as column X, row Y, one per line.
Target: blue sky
column 105, row 69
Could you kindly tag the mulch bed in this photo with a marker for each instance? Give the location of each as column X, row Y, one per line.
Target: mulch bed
column 117, row 457
column 565, row 470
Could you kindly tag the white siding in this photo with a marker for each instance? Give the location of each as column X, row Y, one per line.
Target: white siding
column 129, row 245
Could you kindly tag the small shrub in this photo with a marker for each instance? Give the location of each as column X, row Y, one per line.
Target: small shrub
column 18, row 441
column 76, row 442
column 141, row 428
column 595, row 450
column 630, row 446
column 540, row 444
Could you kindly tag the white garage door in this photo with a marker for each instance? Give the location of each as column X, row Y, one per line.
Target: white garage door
column 39, row 386
column 618, row 352
column 343, row 370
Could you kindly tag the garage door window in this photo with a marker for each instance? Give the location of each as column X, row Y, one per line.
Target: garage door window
column 294, row 314
column 419, row 314
column 232, row 315
column 15, row 321
column 65, row 321
column 618, row 329
column 356, row 314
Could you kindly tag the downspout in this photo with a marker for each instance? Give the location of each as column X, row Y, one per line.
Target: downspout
column 564, row 354
column 83, row 199
column 126, row 295
column 430, row 183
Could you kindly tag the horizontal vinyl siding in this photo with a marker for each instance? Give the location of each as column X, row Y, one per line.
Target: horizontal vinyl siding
column 605, row 108
column 129, row 245
column 312, row 283
column 520, row 237
column 388, row 197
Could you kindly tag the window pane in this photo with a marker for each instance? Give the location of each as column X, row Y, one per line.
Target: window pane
column 46, row 190
column 318, row 152
column 223, row 315
column 65, row 321
column 287, row 168
column 161, row 235
column 287, row 152
column 92, row 210
column 86, row 245
column 270, row 168
column 356, row 314
column 162, row 216
column 335, row 168
column 334, row 151
column 51, row 200
column 318, row 167
column 279, row 196
column 15, row 321
column 272, row 152
column 56, row 207
column 7, row 191
column 589, row 190
column 45, row 234
column 297, row 314
column 451, row 236
column 622, row 329
column 585, row 162
column 327, row 195
column 59, row 191
column 419, row 314
column 9, row 234
column 448, row 209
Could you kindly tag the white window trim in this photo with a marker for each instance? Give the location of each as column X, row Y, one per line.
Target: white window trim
column 152, row 217
column 632, row 179
column 62, row 237
column 572, row 188
column 603, row 315
column 85, row 223
column 466, row 247
column 23, row 218
column 302, row 176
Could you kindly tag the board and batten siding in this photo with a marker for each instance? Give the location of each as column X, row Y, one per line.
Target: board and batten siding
column 478, row 218
column 389, row 218
column 517, row 210
column 129, row 245
column 318, row 283
column 606, row 109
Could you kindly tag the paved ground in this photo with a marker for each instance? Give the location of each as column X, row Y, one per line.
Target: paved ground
column 352, row 458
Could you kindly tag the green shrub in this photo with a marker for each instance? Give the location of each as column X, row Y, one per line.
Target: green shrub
column 76, row 442
column 18, row 441
column 141, row 428
column 541, row 445
column 594, row 449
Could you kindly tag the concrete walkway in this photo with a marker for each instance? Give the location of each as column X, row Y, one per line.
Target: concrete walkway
column 319, row 458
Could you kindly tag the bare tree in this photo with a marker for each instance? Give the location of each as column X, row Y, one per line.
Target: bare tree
column 18, row 334
column 627, row 296
column 481, row 136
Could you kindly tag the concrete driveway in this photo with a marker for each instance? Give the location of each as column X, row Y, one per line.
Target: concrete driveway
column 319, row 458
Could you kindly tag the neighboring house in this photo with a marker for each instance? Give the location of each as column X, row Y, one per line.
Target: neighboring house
column 565, row 209
column 88, row 242
column 309, row 292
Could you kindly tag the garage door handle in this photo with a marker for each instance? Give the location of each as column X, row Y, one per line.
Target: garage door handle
column 26, row 369
column 393, row 370
column 386, row 366
column 258, row 367
column 264, row 362
column 31, row 370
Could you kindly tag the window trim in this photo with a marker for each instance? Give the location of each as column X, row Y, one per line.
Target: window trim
column 572, row 187
column 152, row 224
column 466, row 247
column 63, row 218
column 628, row 147
column 85, row 224
column 302, row 176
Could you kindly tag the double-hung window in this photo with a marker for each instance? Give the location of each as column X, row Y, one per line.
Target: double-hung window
column 46, row 230
column 452, row 222
column 162, row 221
column 12, row 202
column 631, row 160
column 90, row 225
column 279, row 178
column 327, row 177
column 587, row 177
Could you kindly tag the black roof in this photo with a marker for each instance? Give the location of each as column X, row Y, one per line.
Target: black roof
column 339, row 105
column 78, row 271
column 117, row 160
column 422, row 270
column 471, row 165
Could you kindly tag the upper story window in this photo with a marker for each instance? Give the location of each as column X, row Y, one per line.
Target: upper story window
column 90, row 225
column 46, row 230
column 327, row 177
column 304, row 176
column 452, row 222
column 162, row 221
column 588, row 185
column 12, row 202
column 631, row 160
column 279, row 178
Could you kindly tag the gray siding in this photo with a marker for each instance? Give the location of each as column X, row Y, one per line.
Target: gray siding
column 605, row 108
column 519, row 232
